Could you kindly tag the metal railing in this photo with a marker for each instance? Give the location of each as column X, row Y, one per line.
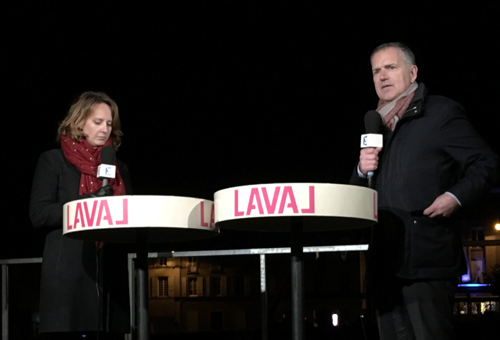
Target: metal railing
column 262, row 252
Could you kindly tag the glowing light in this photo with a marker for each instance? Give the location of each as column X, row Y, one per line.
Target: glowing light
column 472, row 285
column 497, row 226
column 335, row 319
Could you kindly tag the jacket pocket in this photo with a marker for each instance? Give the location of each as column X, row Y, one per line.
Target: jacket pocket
column 431, row 243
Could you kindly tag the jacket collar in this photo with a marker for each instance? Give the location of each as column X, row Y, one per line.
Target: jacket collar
column 414, row 109
column 417, row 102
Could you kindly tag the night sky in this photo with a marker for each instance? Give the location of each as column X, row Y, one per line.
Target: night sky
column 215, row 94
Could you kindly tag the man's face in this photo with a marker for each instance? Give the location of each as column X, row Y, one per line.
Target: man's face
column 391, row 74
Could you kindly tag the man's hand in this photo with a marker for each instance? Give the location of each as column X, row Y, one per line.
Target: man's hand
column 444, row 206
column 368, row 159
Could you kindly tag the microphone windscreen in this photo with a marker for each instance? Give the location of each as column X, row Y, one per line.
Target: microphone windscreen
column 373, row 122
column 108, row 154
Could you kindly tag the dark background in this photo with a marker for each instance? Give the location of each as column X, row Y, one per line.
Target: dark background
column 215, row 94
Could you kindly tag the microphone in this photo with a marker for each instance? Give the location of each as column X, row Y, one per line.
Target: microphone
column 107, row 170
column 373, row 137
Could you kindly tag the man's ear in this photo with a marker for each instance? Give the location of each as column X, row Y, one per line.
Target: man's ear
column 413, row 72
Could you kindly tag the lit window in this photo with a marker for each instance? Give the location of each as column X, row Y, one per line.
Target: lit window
column 162, row 286
column 193, row 286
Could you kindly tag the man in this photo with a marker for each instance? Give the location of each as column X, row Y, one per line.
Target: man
column 432, row 164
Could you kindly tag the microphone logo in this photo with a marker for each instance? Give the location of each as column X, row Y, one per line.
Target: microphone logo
column 106, row 171
column 372, row 140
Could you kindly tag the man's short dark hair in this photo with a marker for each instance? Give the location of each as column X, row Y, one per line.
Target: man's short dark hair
column 407, row 53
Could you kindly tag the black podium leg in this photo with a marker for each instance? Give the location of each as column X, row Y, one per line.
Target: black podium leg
column 142, row 278
column 297, row 279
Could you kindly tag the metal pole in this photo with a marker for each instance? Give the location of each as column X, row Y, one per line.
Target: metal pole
column 142, row 278
column 263, row 295
column 5, row 302
column 297, row 279
column 131, row 293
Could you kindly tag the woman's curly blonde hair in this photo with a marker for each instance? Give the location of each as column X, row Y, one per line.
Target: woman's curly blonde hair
column 78, row 113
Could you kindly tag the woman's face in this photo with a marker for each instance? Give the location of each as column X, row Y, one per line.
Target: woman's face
column 98, row 125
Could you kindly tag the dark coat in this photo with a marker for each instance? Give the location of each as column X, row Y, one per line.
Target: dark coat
column 69, row 301
column 433, row 149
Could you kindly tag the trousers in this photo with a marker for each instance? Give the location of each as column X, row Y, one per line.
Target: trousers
column 416, row 310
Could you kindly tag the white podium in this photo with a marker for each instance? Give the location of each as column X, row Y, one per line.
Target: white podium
column 121, row 218
column 140, row 220
column 269, row 207
column 296, row 208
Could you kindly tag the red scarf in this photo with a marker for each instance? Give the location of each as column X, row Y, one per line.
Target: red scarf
column 392, row 111
column 87, row 159
column 397, row 112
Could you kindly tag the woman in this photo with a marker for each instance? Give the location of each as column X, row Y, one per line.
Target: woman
column 84, row 285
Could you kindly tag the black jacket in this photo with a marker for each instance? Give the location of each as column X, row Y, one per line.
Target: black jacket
column 68, row 293
column 433, row 149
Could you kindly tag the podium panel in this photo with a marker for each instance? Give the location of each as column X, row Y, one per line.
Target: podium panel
column 120, row 218
column 270, row 207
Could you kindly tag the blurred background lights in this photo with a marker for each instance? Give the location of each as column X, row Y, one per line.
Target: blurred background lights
column 335, row 319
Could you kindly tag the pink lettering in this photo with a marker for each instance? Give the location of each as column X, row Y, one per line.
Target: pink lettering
column 78, row 211
column 202, row 215
column 104, row 205
column 288, row 191
column 311, row 201
column 236, row 212
column 67, row 218
column 125, row 212
column 271, row 207
column 254, row 193
column 90, row 219
column 212, row 217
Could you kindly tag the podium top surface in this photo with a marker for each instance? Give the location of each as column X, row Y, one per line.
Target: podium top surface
column 124, row 218
column 271, row 207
